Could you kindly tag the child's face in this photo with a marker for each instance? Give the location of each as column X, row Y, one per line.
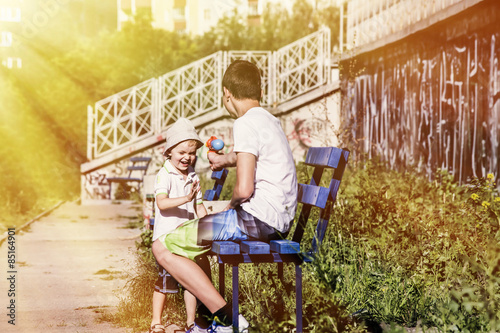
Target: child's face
column 183, row 155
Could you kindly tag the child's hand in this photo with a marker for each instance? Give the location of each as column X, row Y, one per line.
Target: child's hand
column 195, row 188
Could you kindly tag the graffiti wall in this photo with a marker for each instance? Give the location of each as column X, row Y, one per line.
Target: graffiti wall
column 314, row 124
column 431, row 101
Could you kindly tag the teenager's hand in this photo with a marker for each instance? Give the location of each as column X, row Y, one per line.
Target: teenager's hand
column 216, row 160
column 219, row 161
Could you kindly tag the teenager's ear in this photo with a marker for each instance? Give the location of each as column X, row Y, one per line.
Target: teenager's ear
column 261, row 94
column 225, row 91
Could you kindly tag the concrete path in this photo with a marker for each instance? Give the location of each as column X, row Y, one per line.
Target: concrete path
column 69, row 267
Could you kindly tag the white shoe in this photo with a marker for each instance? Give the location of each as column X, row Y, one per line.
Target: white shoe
column 242, row 326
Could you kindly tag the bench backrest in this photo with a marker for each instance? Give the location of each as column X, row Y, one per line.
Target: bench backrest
column 214, row 193
column 309, row 195
column 138, row 164
column 313, row 195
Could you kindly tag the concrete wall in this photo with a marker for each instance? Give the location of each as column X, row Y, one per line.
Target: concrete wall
column 431, row 99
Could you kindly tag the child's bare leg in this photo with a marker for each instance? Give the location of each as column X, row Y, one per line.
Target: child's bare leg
column 158, row 304
column 190, row 276
column 190, row 301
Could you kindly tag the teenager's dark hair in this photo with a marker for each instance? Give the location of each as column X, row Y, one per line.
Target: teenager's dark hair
column 242, row 79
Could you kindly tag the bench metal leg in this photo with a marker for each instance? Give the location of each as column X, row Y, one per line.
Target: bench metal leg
column 235, row 297
column 298, row 293
column 281, row 305
column 222, row 280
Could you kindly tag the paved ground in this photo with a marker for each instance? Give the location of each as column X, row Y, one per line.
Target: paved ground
column 69, row 268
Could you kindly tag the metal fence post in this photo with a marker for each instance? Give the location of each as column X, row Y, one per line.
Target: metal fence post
column 90, row 132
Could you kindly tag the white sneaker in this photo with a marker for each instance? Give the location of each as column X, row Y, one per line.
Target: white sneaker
column 242, row 326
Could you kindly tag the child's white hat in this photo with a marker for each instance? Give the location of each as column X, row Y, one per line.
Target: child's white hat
column 181, row 130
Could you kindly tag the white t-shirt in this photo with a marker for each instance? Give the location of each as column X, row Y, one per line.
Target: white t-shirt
column 274, row 200
column 170, row 182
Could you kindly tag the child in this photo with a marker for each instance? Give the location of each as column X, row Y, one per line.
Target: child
column 177, row 199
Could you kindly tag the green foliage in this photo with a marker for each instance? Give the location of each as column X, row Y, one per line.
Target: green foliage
column 127, row 192
column 279, row 27
column 144, row 246
column 400, row 251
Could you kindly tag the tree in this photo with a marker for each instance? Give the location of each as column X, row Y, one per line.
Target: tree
column 44, row 106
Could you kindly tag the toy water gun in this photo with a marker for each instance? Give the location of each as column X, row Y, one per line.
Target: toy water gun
column 214, row 144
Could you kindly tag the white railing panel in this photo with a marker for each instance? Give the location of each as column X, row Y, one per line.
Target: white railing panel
column 302, row 66
column 368, row 21
column 123, row 118
column 191, row 91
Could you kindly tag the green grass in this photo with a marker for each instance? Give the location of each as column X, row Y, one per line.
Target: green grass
column 400, row 251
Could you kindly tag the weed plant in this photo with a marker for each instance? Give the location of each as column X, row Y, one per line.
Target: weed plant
column 400, row 251
column 404, row 250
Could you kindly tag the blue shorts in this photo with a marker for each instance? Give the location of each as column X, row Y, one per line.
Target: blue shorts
column 194, row 237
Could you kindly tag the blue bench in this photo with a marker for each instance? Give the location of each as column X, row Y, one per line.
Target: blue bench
column 310, row 196
column 214, row 193
column 139, row 166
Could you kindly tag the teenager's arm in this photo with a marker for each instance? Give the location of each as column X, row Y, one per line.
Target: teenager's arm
column 245, row 178
column 219, row 161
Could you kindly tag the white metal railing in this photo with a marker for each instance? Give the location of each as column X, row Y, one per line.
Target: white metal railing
column 302, row 66
column 195, row 90
column 368, row 21
column 190, row 91
column 125, row 117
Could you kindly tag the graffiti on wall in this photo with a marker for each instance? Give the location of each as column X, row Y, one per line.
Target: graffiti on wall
column 436, row 107
column 95, row 186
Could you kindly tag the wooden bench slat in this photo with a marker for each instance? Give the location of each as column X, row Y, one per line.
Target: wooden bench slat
column 326, row 156
column 213, row 194
column 313, row 195
column 225, row 247
column 123, row 179
column 140, row 159
column 210, row 195
column 220, row 175
column 318, row 156
column 273, row 257
column 138, row 167
column 255, row 247
column 285, row 246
